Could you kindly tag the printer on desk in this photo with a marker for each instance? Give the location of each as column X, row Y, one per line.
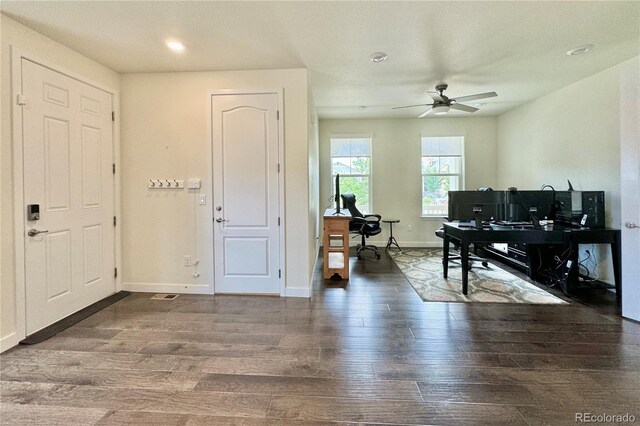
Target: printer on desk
column 580, row 208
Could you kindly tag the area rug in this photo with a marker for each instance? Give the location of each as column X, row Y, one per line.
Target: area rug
column 491, row 284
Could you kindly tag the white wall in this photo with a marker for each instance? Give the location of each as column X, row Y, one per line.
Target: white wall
column 165, row 119
column 572, row 133
column 19, row 36
column 396, row 172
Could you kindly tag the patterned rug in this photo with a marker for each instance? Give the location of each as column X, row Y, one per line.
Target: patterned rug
column 423, row 269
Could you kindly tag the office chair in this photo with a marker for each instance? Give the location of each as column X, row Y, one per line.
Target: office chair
column 453, row 255
column 365, row 225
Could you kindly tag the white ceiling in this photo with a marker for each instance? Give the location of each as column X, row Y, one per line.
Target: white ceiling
column 515, row 48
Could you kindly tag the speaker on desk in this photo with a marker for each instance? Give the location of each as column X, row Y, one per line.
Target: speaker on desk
column 593, row 207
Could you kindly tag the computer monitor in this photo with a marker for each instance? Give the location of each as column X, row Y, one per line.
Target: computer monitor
column 463, row 205
column 337, row 196
column 521, row 205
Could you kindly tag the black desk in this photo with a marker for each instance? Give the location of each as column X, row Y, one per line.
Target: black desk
column 552, row 235
column 599, row 236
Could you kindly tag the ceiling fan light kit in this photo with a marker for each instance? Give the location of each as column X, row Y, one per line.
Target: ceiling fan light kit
column 443, row 104
column 440, row 109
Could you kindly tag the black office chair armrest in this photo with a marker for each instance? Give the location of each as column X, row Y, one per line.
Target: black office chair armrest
column 358, row 224
column 359, row 220
column 370, row 217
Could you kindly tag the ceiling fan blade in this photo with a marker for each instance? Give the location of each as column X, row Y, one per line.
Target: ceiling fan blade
column 424, row 114
column 462, row 107
column 475, row 97
column 411, row 106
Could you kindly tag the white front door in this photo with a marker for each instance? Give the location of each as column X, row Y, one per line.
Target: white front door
column 245, row 193
column 630, row 191
column 68, row 155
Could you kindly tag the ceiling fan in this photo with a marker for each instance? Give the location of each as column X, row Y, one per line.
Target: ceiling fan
column 441, row 104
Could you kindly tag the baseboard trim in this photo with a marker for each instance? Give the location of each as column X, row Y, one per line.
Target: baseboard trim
column 167, row 288
column 8, row 342
column 412, row 244
column 407, row 244
column 297, row 292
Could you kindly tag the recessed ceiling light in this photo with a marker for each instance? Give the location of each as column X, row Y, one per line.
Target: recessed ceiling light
column 361, row 107
column 580, row 50
column 176, row 46
column 378, row 57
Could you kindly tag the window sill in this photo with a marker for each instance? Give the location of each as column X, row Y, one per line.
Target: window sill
column 433, row 218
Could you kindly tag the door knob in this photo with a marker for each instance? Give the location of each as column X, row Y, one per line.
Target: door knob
column 34, row 232
column 631, row 225
column 219, row 220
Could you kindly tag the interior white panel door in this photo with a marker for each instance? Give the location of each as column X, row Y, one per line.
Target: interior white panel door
column 68, row 153
column 630, row 191
column 245, row 193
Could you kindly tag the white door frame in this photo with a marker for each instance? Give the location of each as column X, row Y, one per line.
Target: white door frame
column 281, row 196
column 18, row 172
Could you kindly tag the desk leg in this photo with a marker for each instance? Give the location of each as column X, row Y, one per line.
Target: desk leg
column 616, row 251
column 445, row 255
column 464, row 253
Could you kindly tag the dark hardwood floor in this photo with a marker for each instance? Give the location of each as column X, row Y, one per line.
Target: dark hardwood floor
column 369, row 351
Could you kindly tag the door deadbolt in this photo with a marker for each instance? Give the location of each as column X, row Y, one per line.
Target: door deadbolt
column 33, row 212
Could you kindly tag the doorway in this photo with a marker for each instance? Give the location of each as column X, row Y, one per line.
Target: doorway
column 246, row 192
column 68, row 198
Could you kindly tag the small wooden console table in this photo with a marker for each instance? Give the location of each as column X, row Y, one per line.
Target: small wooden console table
column 336, row 244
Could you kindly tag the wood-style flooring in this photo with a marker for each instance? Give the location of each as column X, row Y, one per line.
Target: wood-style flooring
column 369, row 351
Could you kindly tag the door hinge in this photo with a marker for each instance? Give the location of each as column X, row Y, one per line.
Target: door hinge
column 114, row 168
column 278, row 221
column 114, row 221
column 279, row 273
column 113, row 116
column 277, row 115
column 115, row 272
column 21, row 99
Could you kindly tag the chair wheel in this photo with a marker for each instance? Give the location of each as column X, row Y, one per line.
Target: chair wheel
column 359, row 257
column 378, row 256
column 485, row 264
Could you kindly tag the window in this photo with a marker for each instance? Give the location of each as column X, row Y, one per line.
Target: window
column 441, row 172
column 351, row 158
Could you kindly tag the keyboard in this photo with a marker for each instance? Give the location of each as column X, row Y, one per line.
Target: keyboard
column 512, row 223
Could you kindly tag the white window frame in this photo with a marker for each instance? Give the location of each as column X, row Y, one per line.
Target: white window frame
column 422, row 175
column 369, row 175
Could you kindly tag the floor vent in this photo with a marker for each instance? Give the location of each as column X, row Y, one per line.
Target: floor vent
column 164, row 296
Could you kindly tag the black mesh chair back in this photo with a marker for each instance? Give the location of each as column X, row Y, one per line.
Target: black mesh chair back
column 349, row 202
